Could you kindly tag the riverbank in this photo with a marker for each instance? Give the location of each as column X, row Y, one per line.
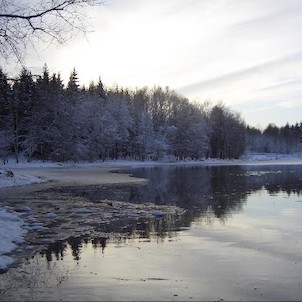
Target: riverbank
column 63, row 201
column 26, row 173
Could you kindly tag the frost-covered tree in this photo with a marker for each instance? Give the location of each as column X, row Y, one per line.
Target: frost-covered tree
column 42, row 119
column 254, row 140
column 150, row 144
column 118, row 108
column 188, row 131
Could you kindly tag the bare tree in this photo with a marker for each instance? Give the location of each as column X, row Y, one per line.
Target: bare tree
column 24, row 23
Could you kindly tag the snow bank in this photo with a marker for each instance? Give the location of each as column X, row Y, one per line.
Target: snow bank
column 272, row 156
column 83, row 211
column 11, row 233
column 17, row 180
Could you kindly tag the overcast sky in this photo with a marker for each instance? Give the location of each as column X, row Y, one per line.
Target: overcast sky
column 247, row 53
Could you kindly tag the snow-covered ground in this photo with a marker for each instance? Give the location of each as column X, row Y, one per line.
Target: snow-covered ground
column 7, row 180
column 11, row 233
column 12, row 227
column 272, row 156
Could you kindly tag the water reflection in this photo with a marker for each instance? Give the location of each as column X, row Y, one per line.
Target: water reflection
column 213, row 190
column 57, row 250
column 207, row 193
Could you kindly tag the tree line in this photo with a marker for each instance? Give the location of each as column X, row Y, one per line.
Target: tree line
column 42, row 119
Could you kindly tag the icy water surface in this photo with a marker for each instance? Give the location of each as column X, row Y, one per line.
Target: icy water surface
column 234, row 233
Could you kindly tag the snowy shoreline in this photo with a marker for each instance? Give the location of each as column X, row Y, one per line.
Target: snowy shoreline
column 12, row 226
column 12, row 233
column 21, row 180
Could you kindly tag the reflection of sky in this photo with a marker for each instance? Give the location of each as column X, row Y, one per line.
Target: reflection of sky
column 265, row 209
column 254, row 255
column 271, row 223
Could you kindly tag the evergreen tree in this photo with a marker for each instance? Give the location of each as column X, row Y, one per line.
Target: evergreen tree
column 73, row 83
column 23, row 102
column 4, row 98
column 73, row 87
column 100, row 90
column 6, row 131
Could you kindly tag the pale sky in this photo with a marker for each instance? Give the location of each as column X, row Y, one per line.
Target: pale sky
column 246, row 53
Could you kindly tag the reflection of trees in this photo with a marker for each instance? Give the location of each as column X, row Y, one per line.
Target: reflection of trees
column 207, row 194
column 99, row 243
column 161, row 228
column 57, row 249
column 277, row 179
column 229, row 190
column 181, row 186
column 217, row 190
column 76, row 246
column 197, row 189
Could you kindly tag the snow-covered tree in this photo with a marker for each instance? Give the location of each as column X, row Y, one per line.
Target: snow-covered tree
column 150, row 144
column 42, row 119
column 117, row 108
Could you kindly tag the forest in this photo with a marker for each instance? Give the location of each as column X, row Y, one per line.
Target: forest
column 42, row 119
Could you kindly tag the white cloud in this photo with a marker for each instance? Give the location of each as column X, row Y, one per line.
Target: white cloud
column 289, row 104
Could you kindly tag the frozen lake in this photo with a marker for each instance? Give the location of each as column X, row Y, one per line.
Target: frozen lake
column 190, row 233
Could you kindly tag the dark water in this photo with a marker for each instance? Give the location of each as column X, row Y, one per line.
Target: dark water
column 238, row 238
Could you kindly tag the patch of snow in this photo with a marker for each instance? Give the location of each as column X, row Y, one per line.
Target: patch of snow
column 24, row 209
column 11, row 233
column 158, row 213
column 39, row 227
column 29, row 247
column 83, row 211
column 50, row 215
column 5, row 261
column 17, row 180
column 32, row 218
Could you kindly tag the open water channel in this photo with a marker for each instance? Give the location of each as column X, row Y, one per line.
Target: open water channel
column 209, row 233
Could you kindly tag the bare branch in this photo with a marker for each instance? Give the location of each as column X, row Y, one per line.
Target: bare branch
column 47, row 21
